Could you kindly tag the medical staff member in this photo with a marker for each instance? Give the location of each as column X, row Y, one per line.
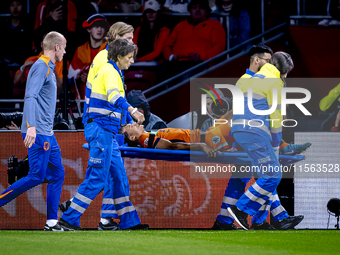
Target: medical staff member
column 44, row 154
column 261, row 143
column 107, row 109
column 259, row 55
column 118, row 30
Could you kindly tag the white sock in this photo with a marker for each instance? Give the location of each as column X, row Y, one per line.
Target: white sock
column 105, row 221
column 51, row 223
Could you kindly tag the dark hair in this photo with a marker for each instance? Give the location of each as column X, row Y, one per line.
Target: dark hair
column 147, row 36
column 120, row 47
column 259, row 49
column 126, row 138
column 282, row 61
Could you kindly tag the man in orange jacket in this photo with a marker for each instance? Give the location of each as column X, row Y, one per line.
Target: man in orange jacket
column 97, row 27
column 196, row 39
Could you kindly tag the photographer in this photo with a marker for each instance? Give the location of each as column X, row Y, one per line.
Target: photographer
column 52, row 11
column 226, row 103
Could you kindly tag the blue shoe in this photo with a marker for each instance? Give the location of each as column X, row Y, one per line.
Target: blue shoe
column 293, row 149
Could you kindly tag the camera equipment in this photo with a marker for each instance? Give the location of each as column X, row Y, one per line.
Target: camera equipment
column 333, row 208
column 16, row 170
column 218, row 109
column 72, row 101
column 7, row 117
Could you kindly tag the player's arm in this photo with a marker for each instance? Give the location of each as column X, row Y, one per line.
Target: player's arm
column 167, row 145
column 34, row 84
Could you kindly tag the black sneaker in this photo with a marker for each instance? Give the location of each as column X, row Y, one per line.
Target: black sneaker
column 56, row 227
column 263, row 226
column 64, row 206
column 239, row 216
column 223, row 226
column 109, row 226
column 288, row 223
column 139, row 227
column 68, row 227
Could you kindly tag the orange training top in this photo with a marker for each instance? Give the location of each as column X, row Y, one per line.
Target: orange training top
column 172, row 135
column 206, row 39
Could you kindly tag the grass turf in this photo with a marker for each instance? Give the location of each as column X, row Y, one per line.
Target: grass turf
column 171, row 242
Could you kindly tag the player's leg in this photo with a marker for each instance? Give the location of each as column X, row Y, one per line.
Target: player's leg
column 233, row 192
column 293, row 149
column 38, row 156
column 55, row 176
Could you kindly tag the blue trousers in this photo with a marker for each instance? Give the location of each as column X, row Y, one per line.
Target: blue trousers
column 105, row 169
column 44, row 159
column 260, row 150
column 236, row 188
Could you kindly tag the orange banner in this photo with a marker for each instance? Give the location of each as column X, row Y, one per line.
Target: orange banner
column 163, row 193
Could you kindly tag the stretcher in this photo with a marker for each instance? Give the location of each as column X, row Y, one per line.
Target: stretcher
column 199, row 156
column 235, row 157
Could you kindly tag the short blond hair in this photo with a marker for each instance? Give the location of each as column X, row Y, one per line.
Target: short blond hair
column 51, row 39
column 118, row 28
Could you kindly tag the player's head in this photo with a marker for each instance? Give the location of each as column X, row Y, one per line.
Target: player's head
column 55, row 42
column 283, row 62
column 96, row 26
column 122, row 53
column 120, row 30
column 132, row 132
column 259, row 55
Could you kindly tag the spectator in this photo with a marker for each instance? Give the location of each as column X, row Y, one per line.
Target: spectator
column 18, row 43
column 195, row 39
column 239, row 21
column 97, row 27
column 150, row 37
column 53, row 10
column 334, row 11
column 137, row 99
column 226, row 103
column 16, row 46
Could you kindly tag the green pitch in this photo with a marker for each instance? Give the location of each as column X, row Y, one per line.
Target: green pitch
column 171, row 242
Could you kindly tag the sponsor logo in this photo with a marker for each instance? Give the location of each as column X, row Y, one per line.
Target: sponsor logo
column 264, row 160
column 96, row 160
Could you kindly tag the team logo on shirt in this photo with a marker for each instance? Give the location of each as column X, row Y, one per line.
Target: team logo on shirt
column 146, row 141
column 46, row 146
column 216, row 139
